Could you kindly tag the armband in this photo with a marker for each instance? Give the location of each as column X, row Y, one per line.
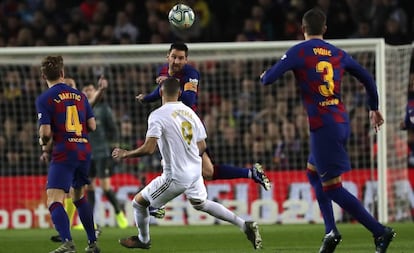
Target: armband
column 190, row 86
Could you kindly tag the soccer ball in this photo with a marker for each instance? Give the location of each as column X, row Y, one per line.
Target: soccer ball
column 181, row 16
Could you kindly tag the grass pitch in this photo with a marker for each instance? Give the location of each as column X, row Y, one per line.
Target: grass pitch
column 215, row 239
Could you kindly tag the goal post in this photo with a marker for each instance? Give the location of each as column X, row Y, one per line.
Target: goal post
column 246, row 122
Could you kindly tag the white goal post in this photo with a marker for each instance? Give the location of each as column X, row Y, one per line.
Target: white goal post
column 227, row 70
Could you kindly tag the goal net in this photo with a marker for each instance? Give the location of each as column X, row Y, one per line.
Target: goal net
column 246, row 123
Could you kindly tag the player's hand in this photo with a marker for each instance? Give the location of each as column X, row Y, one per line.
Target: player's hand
column 102, row 83
column 119, row 153
column 160, row 79
column 140, row 98
column 44, row 157
column 376, row 120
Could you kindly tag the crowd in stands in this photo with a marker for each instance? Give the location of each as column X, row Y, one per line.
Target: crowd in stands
column 99, row 22
column 260, row 125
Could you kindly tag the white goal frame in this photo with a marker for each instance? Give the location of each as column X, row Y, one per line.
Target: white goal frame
column 377, row 45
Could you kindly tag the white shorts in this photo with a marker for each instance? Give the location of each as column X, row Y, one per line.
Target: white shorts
column 161, row 190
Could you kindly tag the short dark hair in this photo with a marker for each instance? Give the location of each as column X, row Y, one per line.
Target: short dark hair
column 314, row 21
column 171, row 86
column 51, row 67
column 180, row 47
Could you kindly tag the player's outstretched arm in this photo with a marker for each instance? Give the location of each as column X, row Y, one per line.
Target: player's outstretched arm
column 102, row 86
column 152, row 97
column 147, row 148
column 140, row 98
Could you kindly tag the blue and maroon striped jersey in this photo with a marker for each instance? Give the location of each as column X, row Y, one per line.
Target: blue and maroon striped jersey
column 189, row 78
column 66, row 110
column 318, row 67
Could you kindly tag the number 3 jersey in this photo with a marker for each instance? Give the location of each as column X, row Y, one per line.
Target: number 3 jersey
column 178, row 129
column 318, row 67
column 66, row 110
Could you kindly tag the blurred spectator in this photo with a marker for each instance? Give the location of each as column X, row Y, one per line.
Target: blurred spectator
column 72, row 39
column 273, row 19
column 288, row 150
column 215, row 21
column 251, row 31
column 293, row 26
column 13, row 146
column 394, row 34
column 123, row 27
column 24, row 38
column 359, row 141
column 226, row 144
column 339, row 20
column 10, row 93
column 88, row 8
column 363, row 30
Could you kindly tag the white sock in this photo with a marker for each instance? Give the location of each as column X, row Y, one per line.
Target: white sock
column 142, row 218
column 249, row 175
column 219, row 211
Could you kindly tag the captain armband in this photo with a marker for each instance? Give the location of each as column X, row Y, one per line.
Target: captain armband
column 191, row 86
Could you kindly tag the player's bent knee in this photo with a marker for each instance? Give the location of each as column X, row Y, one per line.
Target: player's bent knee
column 208, row 167
column 207, row 174
column 198, row 204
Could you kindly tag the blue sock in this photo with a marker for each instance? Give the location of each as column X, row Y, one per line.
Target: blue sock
column 60, row 220
column 86, row 216
column 325, row 203
column 228, row 172
column 353, row 206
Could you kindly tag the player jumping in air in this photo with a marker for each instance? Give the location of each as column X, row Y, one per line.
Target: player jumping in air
column 176, row 129
column 189, row 78
column 318, row 67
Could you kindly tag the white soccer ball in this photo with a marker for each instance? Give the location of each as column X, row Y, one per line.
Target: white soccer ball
column 181, row 16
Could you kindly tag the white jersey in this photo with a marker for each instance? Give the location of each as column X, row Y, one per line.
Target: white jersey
column 178, row 129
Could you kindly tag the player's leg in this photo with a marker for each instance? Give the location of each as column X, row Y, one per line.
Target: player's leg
column 197, row 195
column 332, row 236
column 90, row 191
column 383, row 235
column 85, row 211
column 69, row 206
column 70, row 210
column 104, row 173
column 142, row 218
column 58, row 184
column 223, row 171
column 157, row 193
column 90, row 188
column 331, row 162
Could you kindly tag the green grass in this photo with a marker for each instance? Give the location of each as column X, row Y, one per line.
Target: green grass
column 217, row 239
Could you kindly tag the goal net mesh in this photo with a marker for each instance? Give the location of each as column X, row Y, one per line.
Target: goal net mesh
column 246, row 123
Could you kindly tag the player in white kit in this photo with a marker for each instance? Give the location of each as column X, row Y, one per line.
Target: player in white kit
column 180, row 136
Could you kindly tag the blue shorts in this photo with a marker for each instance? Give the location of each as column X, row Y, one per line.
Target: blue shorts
column 63, row 175
column 328, row 151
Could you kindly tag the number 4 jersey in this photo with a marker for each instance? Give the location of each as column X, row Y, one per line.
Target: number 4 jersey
column 66, row 110
column 318, row 67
